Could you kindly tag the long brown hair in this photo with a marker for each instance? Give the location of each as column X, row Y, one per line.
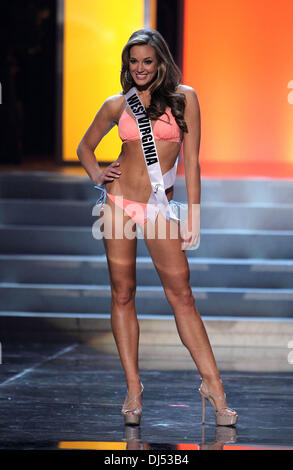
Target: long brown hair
column 163, row 89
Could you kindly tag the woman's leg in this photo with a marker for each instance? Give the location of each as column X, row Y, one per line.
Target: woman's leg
column 121, row 258
column 172, row 266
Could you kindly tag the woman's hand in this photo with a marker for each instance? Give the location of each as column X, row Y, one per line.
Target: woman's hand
column 109, row 173
column 190, row 231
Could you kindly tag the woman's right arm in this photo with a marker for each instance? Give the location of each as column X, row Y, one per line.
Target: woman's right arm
column 101, row 125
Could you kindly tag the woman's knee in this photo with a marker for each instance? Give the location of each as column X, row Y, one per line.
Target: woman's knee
column 123, row 295
column 182, row 297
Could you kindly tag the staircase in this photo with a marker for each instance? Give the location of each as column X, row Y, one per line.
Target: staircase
column 52, row 266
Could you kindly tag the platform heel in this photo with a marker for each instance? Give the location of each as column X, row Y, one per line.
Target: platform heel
column 132, row 415
column 224, row 416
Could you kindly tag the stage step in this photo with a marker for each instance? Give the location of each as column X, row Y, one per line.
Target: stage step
column 248, row 190
column 216, row 215
column 52, row 185
column 51, row 262
column 242, row 344
column 150, row 300
column 93, row 270
column 215, row 243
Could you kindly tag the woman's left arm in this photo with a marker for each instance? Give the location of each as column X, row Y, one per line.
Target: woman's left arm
column 191, row 145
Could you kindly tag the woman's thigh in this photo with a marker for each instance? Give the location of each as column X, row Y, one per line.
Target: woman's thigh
column 168, row 258
column 120, row 248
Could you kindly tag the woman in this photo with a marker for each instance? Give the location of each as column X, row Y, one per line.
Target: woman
column 174, row 112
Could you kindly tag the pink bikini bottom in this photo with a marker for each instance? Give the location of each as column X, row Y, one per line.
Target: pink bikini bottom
column 135, row 210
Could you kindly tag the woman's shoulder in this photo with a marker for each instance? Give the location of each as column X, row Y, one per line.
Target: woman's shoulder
column 115, row 100
column 113, row 104
column 190, row 94
column 188, row 91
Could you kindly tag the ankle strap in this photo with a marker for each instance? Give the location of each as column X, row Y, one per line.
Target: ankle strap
column 213, row 394
column 131, row 399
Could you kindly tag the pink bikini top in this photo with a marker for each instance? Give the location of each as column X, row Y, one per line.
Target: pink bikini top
column 165, row 128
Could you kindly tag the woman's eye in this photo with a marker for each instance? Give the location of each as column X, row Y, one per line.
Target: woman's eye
column 133, row 61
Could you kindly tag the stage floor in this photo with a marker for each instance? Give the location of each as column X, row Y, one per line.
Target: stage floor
column 64, row 395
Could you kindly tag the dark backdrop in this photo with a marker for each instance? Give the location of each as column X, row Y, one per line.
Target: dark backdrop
column 28, row 76
column 170, row 25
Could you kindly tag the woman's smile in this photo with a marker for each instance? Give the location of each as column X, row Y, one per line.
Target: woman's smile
column 141, row 76
column 143, row 64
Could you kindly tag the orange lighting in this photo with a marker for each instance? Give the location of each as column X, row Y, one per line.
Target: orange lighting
column 238, row 58
column 88, row 445
column 187, row 447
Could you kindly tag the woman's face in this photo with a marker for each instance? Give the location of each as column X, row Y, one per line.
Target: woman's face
column 143, row 64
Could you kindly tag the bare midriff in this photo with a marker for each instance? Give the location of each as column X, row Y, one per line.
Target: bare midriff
column 134, row 183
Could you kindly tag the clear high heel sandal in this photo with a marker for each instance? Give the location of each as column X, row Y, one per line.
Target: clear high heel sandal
column 224, row 416
column 132, row 415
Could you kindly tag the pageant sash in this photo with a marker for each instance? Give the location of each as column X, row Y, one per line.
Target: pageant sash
column 158, row 200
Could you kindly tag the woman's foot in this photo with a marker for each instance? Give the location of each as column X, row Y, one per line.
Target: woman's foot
column 215, row 387
column 212, row 389
column 132, row 407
